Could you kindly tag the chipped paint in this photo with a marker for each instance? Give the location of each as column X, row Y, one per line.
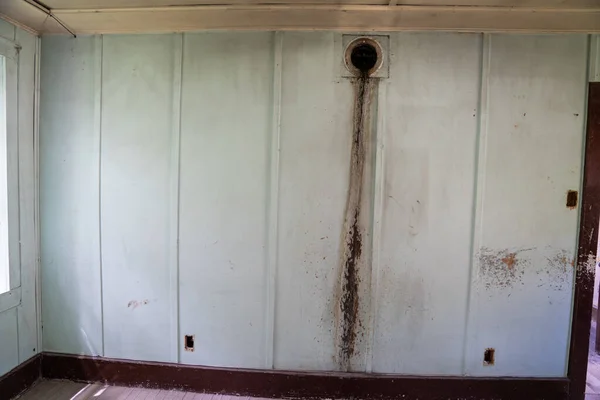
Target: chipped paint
column 552, row 268
column 559, row 270
column 588, row 264
column 501, row 268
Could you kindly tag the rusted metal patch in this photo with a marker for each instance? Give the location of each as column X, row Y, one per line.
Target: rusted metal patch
column 349, row 326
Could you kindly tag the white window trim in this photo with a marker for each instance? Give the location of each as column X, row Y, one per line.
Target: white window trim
column 10, row 51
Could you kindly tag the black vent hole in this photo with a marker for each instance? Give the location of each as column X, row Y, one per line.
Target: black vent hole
column 364, row 57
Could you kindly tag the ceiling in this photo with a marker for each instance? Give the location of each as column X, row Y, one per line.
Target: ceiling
column 134, row 16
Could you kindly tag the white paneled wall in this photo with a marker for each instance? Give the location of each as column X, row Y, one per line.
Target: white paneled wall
column 70, row 195
column 137, row 76
column 19, row 322
column 196, row 184
column 426, row 206
column 530, row 157
column 315, row 141
column 224, row 166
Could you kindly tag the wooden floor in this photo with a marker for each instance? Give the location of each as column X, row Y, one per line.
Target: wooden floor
column 65, row 390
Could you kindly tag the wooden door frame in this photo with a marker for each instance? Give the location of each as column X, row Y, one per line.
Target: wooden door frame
column 587, row 246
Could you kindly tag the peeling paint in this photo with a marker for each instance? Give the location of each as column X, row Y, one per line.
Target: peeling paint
column 504, row 268
column 501, row 268
column 560, row 270
column 588, row 265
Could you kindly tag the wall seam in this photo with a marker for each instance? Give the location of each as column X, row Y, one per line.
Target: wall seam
column 273, row 203
column 174, row 190
column 36, row 196
column 99, row 55
column 18, row 163
column 479, row 186
column 18, row 205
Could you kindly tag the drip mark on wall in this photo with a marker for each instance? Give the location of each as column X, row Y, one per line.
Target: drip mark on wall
column 348, row 313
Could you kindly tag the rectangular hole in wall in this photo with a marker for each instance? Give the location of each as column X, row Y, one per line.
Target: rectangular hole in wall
column 489, row 357
column 572, row 199
column 189, row 342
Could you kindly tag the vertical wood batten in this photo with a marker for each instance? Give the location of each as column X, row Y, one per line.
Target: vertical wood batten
column 479, row 183
column 27, row 238
column 98, row 55
column 378, row 211
column 36, row 191
column 174, row 191
column 273, row 203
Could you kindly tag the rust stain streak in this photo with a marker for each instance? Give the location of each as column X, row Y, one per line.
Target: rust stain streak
column 348, row 316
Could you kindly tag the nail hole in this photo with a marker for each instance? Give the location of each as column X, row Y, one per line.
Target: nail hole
column 489, row 357
column 189, row 342
column 572, row 199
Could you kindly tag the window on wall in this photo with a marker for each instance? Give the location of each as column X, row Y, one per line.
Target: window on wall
column 4, row 258
column 9, row 171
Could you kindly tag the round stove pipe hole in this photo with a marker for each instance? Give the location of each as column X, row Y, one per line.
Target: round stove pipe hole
column 364, row 57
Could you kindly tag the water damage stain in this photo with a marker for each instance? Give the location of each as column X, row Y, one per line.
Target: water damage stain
column 347, row 314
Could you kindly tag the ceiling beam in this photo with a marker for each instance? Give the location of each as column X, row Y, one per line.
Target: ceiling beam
column 328, row 17
column 91, row 4
column 307, row 17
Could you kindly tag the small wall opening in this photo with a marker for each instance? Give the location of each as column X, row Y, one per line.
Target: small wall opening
column 489, row 357
column 572, row 199
column 363, row 57
column 189, row 342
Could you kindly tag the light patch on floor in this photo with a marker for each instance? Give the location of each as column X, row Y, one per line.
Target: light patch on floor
column 66, row 390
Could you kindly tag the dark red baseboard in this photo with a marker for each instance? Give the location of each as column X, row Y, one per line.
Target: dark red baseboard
column 21, row 378
column 301, row 385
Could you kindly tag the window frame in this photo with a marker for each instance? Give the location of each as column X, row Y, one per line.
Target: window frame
column 10, row 51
